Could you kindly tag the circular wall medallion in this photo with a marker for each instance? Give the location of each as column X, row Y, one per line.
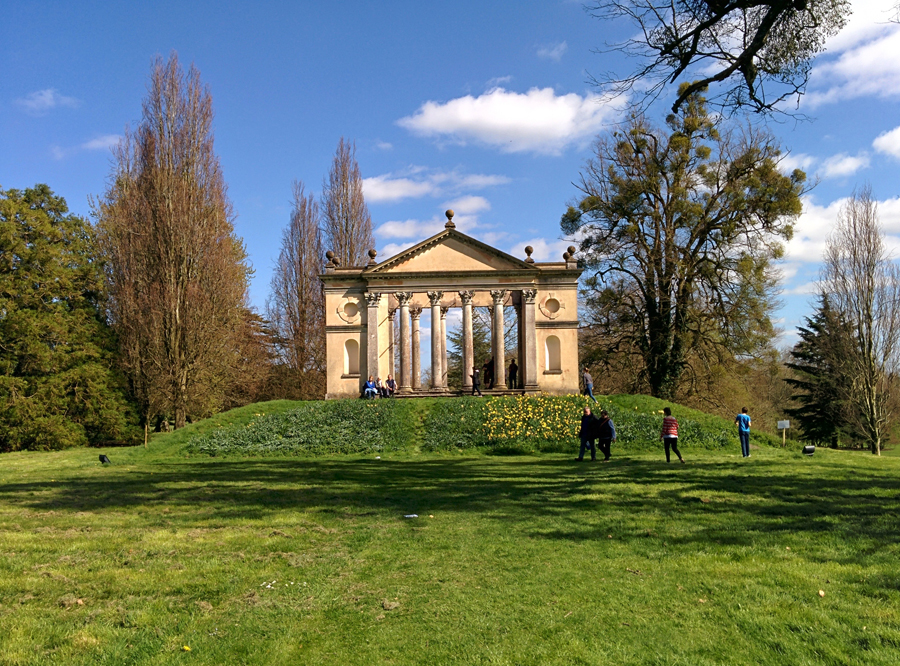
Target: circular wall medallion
column 349, row 311
column 551, row 306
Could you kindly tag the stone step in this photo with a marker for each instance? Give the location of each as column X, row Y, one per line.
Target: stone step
column 456, row 393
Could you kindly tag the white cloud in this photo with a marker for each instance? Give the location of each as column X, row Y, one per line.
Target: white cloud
column 41, row 102
column 104, row 142
column 841, row 165
column 553, row 52
column 538, row 121
column 811, row 231
column 865, row 64
column 469, row 204
column 416, row 182
column 888, row 142
column 385, row 188
column 816, row 223
column 804, row 289
column 498, row 81
column 420, row 229
column 384, row 145
column 793, row 161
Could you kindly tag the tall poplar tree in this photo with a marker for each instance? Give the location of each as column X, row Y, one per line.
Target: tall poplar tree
column 177, row 275
column 296, row 306
column 346, row 222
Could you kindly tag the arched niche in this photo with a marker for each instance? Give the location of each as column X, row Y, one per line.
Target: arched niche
column 552, row 354
column 351, row 357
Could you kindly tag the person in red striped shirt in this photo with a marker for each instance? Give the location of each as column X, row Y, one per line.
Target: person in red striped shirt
column 669, row 434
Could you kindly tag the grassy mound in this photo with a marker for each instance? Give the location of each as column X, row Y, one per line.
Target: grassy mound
column 498, row 425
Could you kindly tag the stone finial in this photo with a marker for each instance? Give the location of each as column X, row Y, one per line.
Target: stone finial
column 528, row 251
column 571, row 250
column 566, row 257
column 450, row 223
column 330, row 257
column 372, row 254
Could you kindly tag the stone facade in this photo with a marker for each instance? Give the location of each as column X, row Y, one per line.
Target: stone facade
column 450, row 270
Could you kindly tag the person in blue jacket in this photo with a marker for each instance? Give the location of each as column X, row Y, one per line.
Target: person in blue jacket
column 606, row 434
column 742, row 421
column 369, row 389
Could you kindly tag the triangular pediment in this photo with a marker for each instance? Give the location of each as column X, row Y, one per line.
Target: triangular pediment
column 451, row 251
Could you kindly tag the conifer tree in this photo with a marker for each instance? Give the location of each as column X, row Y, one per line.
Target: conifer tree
column 58, row 384
column 821, row 382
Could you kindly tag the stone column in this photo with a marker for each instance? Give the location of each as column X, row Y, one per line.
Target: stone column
column 497, row 335
column 415, row 312
column 435, row 298
column 373, row 299
column 444, row 311
column 405, row 343
column 530, row 340
column 392, row 348
column 468, row 352
column 520, row 342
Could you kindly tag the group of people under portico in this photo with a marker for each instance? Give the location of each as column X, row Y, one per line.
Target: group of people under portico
column 379, row 389
column 489, row 376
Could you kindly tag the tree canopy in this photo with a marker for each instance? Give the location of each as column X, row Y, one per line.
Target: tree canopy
column 761, row 50
column 58, row 386
column 678, row 230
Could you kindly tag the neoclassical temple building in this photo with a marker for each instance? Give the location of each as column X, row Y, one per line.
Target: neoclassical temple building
column 449, row 270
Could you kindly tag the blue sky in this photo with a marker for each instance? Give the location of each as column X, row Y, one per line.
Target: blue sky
column 482, row 107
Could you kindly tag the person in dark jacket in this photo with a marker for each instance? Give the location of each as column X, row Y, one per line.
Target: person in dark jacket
column 513, row 374
column 606, row 434
column 488, row 374
column 588, row 433
column 476, row 382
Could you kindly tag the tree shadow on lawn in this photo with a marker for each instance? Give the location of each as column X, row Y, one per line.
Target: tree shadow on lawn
column 548, row 497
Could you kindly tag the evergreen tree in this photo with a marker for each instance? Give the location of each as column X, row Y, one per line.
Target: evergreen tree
column 58, row 387
column 821, row 381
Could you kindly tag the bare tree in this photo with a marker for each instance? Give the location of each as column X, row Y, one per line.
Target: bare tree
column 863, row 285
column 762, row 50
column 177, row 273
column 296, row 306
column 347, row 224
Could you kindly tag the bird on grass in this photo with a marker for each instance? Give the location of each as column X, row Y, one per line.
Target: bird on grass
column 104, row 459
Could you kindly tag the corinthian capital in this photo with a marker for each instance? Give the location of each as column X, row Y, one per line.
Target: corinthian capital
column 373, row 298
column 415, row 311
column 498, row 295
column 403, row 297
column 435, row 297
column 444, row 310
column 529, row 295
column 466, row 297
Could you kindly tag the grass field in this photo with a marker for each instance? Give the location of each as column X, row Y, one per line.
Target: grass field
column 512, row 560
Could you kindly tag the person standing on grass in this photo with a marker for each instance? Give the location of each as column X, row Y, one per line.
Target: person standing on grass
column 588, row 434
column 743, row 423
column 589, row 385
column 476, row 382
column 669, row 434
column 513, row 373
column 606, row 434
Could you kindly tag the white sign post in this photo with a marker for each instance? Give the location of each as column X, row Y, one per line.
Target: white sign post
column 783, row 427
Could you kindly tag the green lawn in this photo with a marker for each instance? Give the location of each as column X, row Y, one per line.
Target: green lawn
column 512, row 560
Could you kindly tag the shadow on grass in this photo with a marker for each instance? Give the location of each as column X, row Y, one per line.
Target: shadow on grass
column 728, row 502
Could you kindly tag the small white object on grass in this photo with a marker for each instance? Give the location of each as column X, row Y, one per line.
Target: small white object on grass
column 411, row 515
column 377, row 457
